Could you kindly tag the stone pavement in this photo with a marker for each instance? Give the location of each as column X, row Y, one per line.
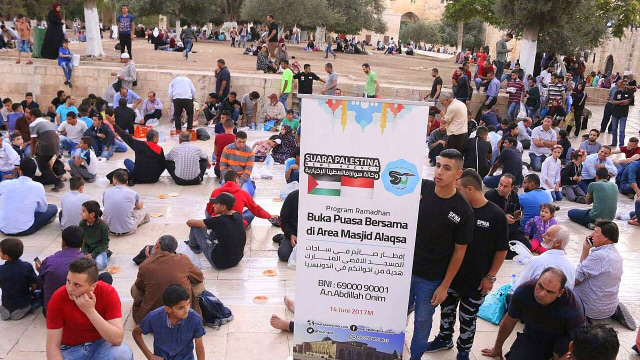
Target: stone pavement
column 249, row 335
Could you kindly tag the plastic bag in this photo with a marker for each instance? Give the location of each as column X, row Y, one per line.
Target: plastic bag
column 75, row 60
column 522, row 114
column 185, row 250
column 289, row 188
column 495, row 305
column 524, row 254
column 292, row 258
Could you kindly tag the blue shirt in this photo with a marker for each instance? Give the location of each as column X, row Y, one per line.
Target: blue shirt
column 176, row 342
column 87, row 121
column 493, row 89
column 11, row 120
column 63, row 110
column 490, row 118
column 16, row 277
column 530, row 203
column 631, row 173
column 288, row 163
column 223, row 74
column 124, row 24
column 20, row 199
column 62, row 60
column 589, row 167
column 131, row 96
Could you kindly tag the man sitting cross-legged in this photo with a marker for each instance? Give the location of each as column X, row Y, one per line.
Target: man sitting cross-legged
column 123, row 209
column 239, row 157
column 224, row 246
column 84, row 318
column 150, row 161
column 187, row 163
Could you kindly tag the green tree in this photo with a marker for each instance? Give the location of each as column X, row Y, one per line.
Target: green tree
column 290, row 12
column 230, row 9
column 421, row 31
column 358, row 15
column 194, row 11
column 473, row 33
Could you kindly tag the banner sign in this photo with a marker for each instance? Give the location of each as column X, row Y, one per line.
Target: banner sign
column 360, row 174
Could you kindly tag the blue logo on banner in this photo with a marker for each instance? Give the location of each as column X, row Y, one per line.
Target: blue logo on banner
column 400, row 177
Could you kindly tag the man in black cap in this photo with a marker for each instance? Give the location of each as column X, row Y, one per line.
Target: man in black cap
column 224, row 245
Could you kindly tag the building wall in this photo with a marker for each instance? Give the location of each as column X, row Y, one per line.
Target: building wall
column 625, row 53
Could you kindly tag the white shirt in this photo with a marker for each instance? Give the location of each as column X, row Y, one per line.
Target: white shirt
column 551, row 169
column 19, row 200
column 600, row 275
column 71, row 208
column 455, row 119
column 540, row 133
column 589, row 167
column 550, row 258
column 181, row 88
column 74, row 132
column 9, row 158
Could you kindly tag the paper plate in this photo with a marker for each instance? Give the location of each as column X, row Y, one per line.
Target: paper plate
column 270, row 272
column 113, row 270
column 162, row 196
column 156, row 215
column 174, row 194
column 260, row 299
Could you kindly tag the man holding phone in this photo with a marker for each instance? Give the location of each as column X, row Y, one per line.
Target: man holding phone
column 506, row 197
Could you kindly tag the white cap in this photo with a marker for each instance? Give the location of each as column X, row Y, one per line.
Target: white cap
column 124, row 56
column 278, row 141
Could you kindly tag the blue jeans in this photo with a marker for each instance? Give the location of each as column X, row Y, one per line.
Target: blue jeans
column 130, row 165
column 236, row 113
column 40, row 219
column 66, row 144
column 536, row 161
column 27, row 151
column 569, row 152
column 531, row 111
column 615, row 121
column 512, row 111
column 295, row 176
column 283, row 100
column 328, row 50
column 4, row 173
column 248, row 216
column 584, row 184
column 625, row 189
column 107, row 154
column 478, row 83
column 580, row 217
column 119, row 146
column 500, row 69
column 67, row 68
column 101, row 260
column 420, row 295
column 556, row 195
column 492, row 181
column 249, row 187
column 188, row 44
column 97, row 350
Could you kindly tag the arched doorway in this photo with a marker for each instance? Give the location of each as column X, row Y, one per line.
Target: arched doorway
column 608, row 68
column 406, row 19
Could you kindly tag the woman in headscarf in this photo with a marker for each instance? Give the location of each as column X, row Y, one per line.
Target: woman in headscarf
column 54, row 35
column 287, row 145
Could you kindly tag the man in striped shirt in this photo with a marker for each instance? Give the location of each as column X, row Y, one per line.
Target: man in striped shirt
column 556, row 90
column 515, row 89
column 238, row 157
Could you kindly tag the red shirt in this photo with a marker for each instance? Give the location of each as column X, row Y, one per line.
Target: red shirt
column 482, row 72
column 430, row 128
column 243, row 199
column 63, row 313
column 629, row 153
column 480, row 58
column 220, row 141
column 457, row 75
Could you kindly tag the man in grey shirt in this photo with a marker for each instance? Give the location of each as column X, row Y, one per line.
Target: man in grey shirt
column 45, row 144
column 437, row 141
column 188, row 37
column 501, row 53
column 250, row 108
column 123, row 209
column 524, row 133
column 332, row 80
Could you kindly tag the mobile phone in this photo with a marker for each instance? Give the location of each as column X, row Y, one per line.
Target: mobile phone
column 37, row 260
column 517, row 214
column 590, row 241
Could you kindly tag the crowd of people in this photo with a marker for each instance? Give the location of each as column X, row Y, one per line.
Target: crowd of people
column 463, row 233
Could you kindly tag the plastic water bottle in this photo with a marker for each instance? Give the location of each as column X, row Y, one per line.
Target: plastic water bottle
column 261, row 127
column 269, row 160
column 253, row 126
column 214, row 158
column 161, row 137
column 513, row 284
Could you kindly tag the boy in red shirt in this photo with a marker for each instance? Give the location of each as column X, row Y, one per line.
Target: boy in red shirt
column 84, row 318
column 221, row 141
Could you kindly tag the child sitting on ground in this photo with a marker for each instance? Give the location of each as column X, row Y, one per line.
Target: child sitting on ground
column 538, row 226
column 84, row 163
column 291, row 121
column 550, row 173
column 17, row 280
column 566, row 145
column 175, row 327
column 571, row 175
column 71, row 203
column 96, row 234
column 16, row 144
column 263, row 147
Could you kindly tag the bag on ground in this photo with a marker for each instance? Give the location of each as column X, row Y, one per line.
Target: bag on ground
column 495, row 305
column 214, row 312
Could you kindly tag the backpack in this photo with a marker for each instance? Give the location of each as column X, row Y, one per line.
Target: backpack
column 214, row 313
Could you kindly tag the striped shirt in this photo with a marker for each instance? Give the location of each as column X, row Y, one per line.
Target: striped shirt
column 238, row 160
column 187, row 159
column 515, row 89
column 555, row 91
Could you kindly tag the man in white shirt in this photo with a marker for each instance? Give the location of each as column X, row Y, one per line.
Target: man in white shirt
column 182, row 93
column 543, row 138
column 71, row 131
column 593, row 163
column 9, row 161
column 24, row 204
column 152, row 107
column 455, row 120
column 555, row 240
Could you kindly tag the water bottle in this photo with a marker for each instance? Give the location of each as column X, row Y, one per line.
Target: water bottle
column 253, row 126
column 161, row 137
column 269, row 161
column 513, row 284
column 214, row 158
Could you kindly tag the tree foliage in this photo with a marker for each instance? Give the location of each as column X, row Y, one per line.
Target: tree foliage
column 421, row 31
column 358, row 15
column 623, row 13
column 473, row 33
column 194, row 11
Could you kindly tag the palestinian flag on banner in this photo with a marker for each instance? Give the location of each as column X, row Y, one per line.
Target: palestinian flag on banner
column 359, row 188
column 327, row 185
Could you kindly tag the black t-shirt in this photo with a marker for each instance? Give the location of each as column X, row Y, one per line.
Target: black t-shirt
column 483, row 151
column 508, row 206
column 622, row 110
column 273, row 26
column 434, row 87
column 490, row 235
column 305, row 82
column 442, row 223
column 57, row 102
column 231, row 106
column 511, row 161
column 125, row 118
column 229, row 231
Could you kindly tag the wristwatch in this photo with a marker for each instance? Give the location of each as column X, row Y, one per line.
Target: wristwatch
column 492, row 279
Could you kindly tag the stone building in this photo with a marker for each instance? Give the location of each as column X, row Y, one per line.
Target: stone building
column 347, row 350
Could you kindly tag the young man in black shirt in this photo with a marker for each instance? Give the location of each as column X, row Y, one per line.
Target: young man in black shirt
column 436, row 86
column 224, row 246
column 231, row 104
column 506, row 197
column 621, row 101
column 482, row 260
column 478, row 152
column 272, row 35
column 445, row 226
column 511, row 161
column 305, row 80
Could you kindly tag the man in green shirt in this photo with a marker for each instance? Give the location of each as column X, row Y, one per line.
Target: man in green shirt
column 372, row 87
column 604, row 196
column 287, row 81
